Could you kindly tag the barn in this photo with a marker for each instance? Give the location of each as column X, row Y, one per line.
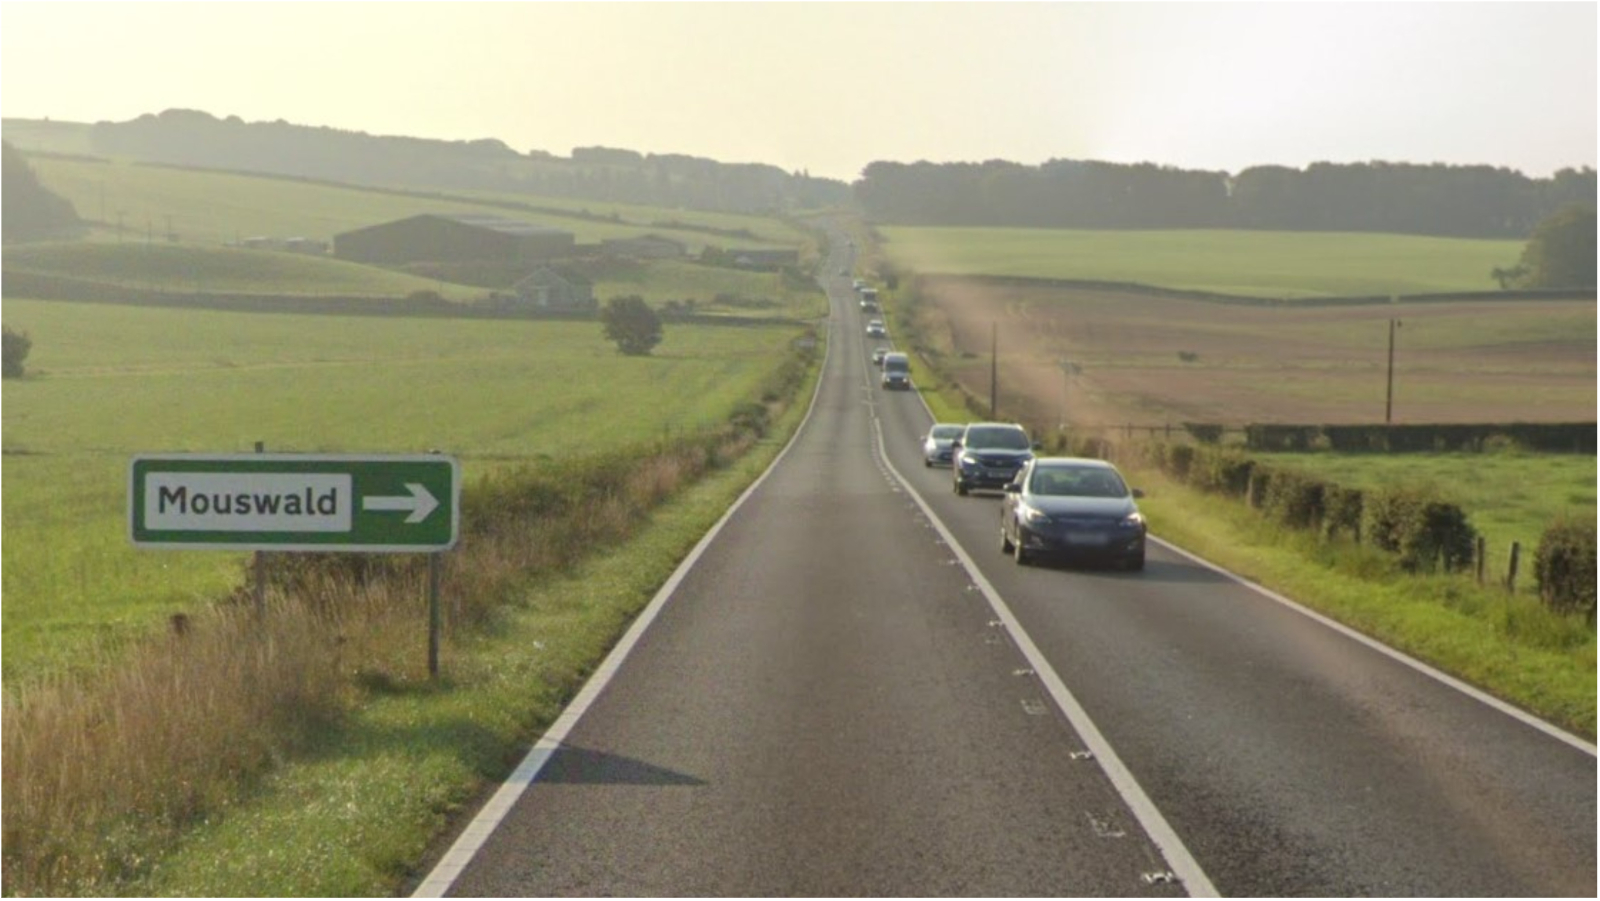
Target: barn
column 452, row 238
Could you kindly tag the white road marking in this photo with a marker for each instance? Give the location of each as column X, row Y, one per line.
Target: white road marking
column 1515, row 713
column 449, row 868
column 1440, row 676
column 1166, row 840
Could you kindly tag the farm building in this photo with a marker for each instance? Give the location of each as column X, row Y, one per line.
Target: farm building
column 452, row 237
column 644, row 247
column 555, row 288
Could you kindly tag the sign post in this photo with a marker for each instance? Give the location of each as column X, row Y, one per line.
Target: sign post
column 300, row 502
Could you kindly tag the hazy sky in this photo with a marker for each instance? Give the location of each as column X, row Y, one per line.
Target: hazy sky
column 829, row 87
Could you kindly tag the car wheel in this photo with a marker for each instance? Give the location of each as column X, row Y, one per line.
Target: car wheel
column 926, row 463
column 1017, row 552
column 1135, row 562
column 1005, row 540
column 961, row 488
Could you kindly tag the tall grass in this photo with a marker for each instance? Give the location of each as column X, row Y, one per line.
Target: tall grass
column 102, row 776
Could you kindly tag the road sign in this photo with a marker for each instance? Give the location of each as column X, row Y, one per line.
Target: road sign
column 295, row 502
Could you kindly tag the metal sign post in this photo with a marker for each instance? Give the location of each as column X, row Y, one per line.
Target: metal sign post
column 300, row 502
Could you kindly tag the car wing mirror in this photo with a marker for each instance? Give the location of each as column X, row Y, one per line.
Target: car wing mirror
column 1038, row 445
column 1013, row 488
column 1138, row 493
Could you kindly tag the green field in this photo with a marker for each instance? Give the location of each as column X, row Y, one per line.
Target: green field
column 1248, row 263
column 212, row 208
column 188, row 268
column 107, row 382
column 1508, row 496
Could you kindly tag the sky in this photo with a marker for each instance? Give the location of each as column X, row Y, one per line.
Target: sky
column 828, row 87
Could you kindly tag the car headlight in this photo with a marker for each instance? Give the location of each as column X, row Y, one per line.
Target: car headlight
column 1031, row 516
column 1132, row 521
column 968, row 461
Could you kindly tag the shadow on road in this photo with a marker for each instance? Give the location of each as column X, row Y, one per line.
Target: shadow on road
column 579, row 766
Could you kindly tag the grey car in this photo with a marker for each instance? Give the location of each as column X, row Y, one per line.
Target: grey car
column 936, row 450
column 1072, row 508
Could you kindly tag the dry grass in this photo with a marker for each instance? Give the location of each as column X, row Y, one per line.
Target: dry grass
column 104, row 775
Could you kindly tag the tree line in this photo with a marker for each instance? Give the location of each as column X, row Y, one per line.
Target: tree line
column 1403, row 198
column 198, row 139
column 31, row 211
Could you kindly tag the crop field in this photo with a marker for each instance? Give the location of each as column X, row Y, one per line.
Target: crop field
column 213, row 208
column 107, row 382
column 1151, row 360
column 1247, row 263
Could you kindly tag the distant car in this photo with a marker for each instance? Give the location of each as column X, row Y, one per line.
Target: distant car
column 875, row 329
column 988, row 455
column 1072, row 507
column 936, row 445
column 896, row 371
column 878, row 355
column 869, row 306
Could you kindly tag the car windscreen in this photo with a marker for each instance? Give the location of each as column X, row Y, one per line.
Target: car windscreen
column 948, row 431
column 996, row 439
column 1076, row 481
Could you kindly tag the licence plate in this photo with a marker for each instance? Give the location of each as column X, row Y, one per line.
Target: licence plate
column 1087, row 539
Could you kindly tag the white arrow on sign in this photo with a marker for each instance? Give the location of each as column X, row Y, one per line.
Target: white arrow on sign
column 420, row 503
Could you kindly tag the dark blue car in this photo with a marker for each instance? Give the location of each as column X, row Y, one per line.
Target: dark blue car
column 1072, row 508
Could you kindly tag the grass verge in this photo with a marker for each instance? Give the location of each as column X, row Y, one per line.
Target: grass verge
column 1510, row 646
column 310, row 754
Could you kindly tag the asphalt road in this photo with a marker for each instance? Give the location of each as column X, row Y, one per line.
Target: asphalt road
column 853, row 692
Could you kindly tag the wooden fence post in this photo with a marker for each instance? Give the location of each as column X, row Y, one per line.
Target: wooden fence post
column 1511, row 576
column 261, row 566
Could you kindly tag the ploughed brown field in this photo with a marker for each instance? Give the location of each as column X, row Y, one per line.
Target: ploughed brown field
column 1145, row 359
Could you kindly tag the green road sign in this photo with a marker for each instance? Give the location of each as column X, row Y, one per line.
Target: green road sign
column 295, row 502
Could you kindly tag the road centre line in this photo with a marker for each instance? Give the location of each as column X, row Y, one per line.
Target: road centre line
column 1437, row 675
column 1144, row 810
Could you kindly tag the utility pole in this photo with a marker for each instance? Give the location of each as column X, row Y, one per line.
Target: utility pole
column 1388, row 405
column 1066, row 377
column 994, row 370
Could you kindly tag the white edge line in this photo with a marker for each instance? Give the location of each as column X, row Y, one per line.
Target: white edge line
column 1516, row 713
column 444, row 873
column 1440, row 676
column 1183, row 864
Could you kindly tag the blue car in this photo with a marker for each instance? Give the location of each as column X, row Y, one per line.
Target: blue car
column 988, row 455
column 1072, row 508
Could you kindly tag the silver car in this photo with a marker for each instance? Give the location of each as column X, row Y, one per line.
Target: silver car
column 936, row 448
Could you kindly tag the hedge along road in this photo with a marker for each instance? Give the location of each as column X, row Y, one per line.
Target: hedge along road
column 830, row 703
